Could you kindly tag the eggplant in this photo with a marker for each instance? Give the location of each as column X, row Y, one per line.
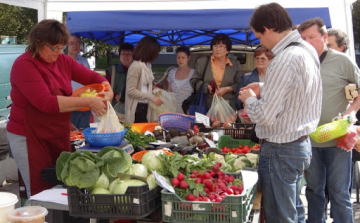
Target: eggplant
column 150, row 147
column 138, row 149
column 189, row 150
column 178, row 149
column 167, row 145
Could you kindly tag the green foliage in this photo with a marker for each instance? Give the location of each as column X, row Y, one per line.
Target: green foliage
column 356, row 22
column 17, row 21
column 137, row 139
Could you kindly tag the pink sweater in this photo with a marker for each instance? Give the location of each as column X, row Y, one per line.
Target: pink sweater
column 33, row 80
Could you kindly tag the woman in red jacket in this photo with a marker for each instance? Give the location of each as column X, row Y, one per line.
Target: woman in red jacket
column 39, row 126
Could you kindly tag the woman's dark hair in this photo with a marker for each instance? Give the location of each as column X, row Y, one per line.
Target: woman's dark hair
column 264, row 50
column 126, row 46
column 147, row 49
column 48, row 31
column 221, row 38
column 271, row 16
column 310, row 22
column 183, row 49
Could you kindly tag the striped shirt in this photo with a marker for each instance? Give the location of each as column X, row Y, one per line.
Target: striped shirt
column 290, row 104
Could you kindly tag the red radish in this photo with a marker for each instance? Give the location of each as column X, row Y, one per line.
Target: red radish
column 195, row 172
column 226, row 177
column 241, row 188
column 175, row 182
column 212, row 173
column 206, row 199
column 207, row 176
column 198, row 181
column 223, row 195
column 236, row 192
column 180, row 176
column 183, row 184
column 233, row 187
column 192, row 176
column 212, row 196
column 231, row 179
column 200, row 198
column 190, row 197
column 220, row 173
column 196, row 199
column 219, row 164
column 215, row 168
column 229, row 191
column 208, row 183
column 207, row 190
column 218, row 199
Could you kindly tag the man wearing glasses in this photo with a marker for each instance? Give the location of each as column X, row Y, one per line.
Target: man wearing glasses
column 80, row 120
column 117, row 73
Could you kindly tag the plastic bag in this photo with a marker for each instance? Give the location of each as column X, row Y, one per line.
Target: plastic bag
column 348, row 141
column 244, row 116
column 221, row 111
column 168, row 106
column 120, row 111
column 357, row 143
column 335, row 129
column 109, row 122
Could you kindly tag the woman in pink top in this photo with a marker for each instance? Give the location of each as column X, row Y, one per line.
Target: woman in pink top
column 39, row 126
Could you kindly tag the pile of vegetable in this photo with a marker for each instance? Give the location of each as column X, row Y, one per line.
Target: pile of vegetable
column 240, row 149
column 98, row 173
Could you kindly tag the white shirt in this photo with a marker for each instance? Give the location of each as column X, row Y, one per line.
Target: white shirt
column 290, row 104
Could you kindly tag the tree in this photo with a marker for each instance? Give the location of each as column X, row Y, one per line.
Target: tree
column 356, row 23
column 17, row 21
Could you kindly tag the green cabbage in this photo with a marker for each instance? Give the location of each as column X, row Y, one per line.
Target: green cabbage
column 114, row 184
column 78, row 169
column 100, row 191
column 102, row 182
column 123, row 186
column 138, row 170
column 151, row 181
column 116, row 160
column 151, row 161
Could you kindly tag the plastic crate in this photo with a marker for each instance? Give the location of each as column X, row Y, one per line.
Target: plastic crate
column 143, row 127
column 136, row 203
column 103, row 139
column 229, row 142
column 175, row 120
column 232, row 209
column 240, row 130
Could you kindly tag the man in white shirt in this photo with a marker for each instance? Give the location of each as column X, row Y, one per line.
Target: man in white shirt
column 289, row 110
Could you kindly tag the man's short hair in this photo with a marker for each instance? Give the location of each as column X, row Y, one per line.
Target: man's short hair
column 271, row 16
column 315, row 21
column 341, row 38
column 126, row 46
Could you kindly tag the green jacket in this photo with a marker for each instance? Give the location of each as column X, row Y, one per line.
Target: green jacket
column 232, row 77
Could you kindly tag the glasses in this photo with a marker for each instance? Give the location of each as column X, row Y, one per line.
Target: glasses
column 262, row 59
column 56, row 49
column 220, row 47
column 74, row 44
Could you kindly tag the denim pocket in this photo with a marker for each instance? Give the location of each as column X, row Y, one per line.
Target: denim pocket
column 292, row 167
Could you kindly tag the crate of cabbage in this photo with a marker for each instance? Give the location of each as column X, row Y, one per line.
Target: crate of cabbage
column 96, row 191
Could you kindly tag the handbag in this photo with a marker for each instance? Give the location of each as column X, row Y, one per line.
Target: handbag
column 192, row 99
column 199, row 105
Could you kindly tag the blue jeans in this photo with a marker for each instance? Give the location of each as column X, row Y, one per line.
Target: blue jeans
column 330, row 166
column 81, row 120
column 281, row 167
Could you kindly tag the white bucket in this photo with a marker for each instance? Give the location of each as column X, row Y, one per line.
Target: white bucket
column 7, row 204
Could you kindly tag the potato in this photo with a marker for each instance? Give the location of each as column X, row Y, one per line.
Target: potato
column 216, row 124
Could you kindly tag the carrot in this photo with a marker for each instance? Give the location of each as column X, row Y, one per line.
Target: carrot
column 138, row 156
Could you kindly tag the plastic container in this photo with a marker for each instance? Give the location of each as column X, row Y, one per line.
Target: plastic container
column 29, row 214
column 136, row 203
column 98, row 87
column 229, row 142
column 240, row 130
column 176, row 120
column 7, row 204
column 330, row 131
column 143, row 127
column 103, row 139
column 232, row 209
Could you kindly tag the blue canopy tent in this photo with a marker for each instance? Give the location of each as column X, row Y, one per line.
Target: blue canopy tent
column 175, row 27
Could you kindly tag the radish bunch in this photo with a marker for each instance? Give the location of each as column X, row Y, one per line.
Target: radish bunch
column 207, row 186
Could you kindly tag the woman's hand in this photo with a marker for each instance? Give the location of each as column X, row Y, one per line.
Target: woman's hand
column 210, row 89
column 108, row 94
column 98, row 105
column 157, row 101
column 221, row 91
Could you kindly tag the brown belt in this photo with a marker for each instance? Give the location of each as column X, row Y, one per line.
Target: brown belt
column 302, row 138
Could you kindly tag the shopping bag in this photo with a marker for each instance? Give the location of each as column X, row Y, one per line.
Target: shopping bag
column 220, row 110
column 168, row 106
column 348, row 141
column 109, row 122
column 199, row 104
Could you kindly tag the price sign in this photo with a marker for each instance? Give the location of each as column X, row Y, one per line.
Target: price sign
column 200, row 118
column 163, row 182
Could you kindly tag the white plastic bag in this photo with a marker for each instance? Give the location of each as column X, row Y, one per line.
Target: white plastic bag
column 221, row 111
column 168, row 106
column 109, row 122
